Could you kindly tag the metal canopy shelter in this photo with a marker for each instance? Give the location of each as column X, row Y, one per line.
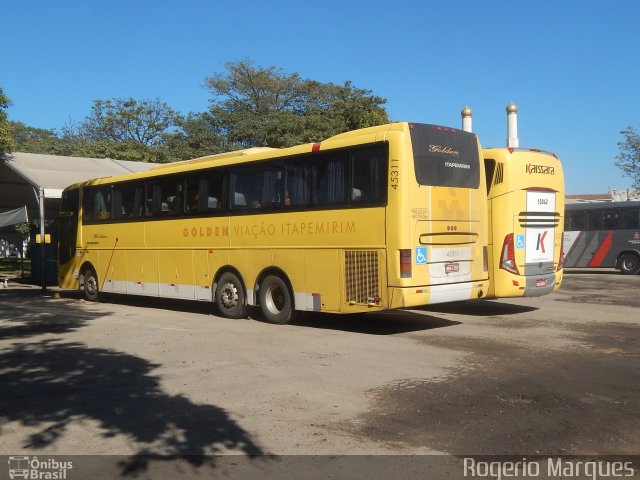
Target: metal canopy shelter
column 36, row 181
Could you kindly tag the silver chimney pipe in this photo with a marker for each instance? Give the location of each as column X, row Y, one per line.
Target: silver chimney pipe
column 512, row 126
column 466, row 119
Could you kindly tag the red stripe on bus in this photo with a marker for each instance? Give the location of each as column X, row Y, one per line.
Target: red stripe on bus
column 602, row 251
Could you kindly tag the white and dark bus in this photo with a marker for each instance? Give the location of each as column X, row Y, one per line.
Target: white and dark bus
column 603, row 235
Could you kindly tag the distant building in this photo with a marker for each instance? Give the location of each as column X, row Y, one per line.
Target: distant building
column 588, row 198
column 614, row 195
column 625, row 194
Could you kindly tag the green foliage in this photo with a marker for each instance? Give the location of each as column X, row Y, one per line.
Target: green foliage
column 628, row 160
column 31, row 139
column 198, row 134
column 6, row 140
column 258, row 106
column 128, row 120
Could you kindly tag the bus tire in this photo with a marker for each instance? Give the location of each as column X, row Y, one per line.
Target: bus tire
column 230, row 298
column 276, row 301
column 629, row 264
column 90, row 284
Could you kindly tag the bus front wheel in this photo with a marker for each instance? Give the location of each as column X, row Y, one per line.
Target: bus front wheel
column 629, row 264
column 90, row 285
column 230, row 296
column 275, row 300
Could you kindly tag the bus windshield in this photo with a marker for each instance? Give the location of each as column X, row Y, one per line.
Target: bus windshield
column 445, row 157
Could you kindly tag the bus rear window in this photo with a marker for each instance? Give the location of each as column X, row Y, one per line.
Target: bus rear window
column 445, row 157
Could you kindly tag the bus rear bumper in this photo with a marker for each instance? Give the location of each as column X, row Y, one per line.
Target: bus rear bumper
column 407, row 297
column 539, row 285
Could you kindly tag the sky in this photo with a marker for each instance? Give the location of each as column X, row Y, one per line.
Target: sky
column 570, row 66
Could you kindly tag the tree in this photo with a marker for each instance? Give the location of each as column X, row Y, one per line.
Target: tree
column 32, row 139
column 197, row 135
column 6, row 141
column 257, row 106
column 628, row 160
column 128, row 120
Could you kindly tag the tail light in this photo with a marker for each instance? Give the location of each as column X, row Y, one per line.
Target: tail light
column 508, row 257
column 561, row 261
column 405, row 263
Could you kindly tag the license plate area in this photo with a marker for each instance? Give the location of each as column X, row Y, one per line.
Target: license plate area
column 541, row 282
column 453, row 267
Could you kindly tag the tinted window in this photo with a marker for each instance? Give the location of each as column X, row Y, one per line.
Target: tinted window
column 332, row 180
column 205, row 192
column 127, row 200
column 594, row 220
column 299, row 184
column 574, row 220
column 70, row 201
column 96, row 204
column 630, row 218
column 259, row 187
column 165, row 197
column 489, row 167
column 445, row 156
column 369, row 175
column 610, row 219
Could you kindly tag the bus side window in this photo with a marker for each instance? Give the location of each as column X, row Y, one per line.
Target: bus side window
column 490, row 168
column 332, row 180
column 298, row 184
column 574, row 220
column 100, row 204
column 594, row 220
column 610, row 219
column 257, row 188
column 630, row 218
column 165, row 197
column 192, row 195
column 369, row 175
column 127, row 200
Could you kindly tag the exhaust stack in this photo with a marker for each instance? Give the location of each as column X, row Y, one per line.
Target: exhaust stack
column 512, row 126
column 466, row 119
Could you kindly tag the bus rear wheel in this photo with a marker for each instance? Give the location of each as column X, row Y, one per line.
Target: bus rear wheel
column 230, row 297
column 276, row 302
column 90, row 285
column 629, row 264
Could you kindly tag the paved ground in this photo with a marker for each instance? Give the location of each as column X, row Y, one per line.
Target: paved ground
column 134, row 377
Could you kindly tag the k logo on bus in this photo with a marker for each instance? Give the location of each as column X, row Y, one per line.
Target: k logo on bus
column 540, row 244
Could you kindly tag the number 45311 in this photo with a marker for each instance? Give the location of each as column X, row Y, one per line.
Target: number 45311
column 394, row 174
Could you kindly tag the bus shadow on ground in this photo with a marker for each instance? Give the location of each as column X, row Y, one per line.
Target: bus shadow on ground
column 51, row 383
column 383, row 323
column 480, row 308
column 190, row 306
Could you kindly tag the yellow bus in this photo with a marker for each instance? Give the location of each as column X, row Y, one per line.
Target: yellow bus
column 526, row 209
column 380, row 218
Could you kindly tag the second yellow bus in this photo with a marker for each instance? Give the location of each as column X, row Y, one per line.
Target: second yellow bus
column 525, row 196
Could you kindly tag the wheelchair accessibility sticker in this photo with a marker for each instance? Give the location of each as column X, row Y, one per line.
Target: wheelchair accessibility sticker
column 421, row 255
column 519, row 241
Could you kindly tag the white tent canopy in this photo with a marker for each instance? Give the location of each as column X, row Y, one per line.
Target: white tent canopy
column 54, row 172
column 13, row 217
